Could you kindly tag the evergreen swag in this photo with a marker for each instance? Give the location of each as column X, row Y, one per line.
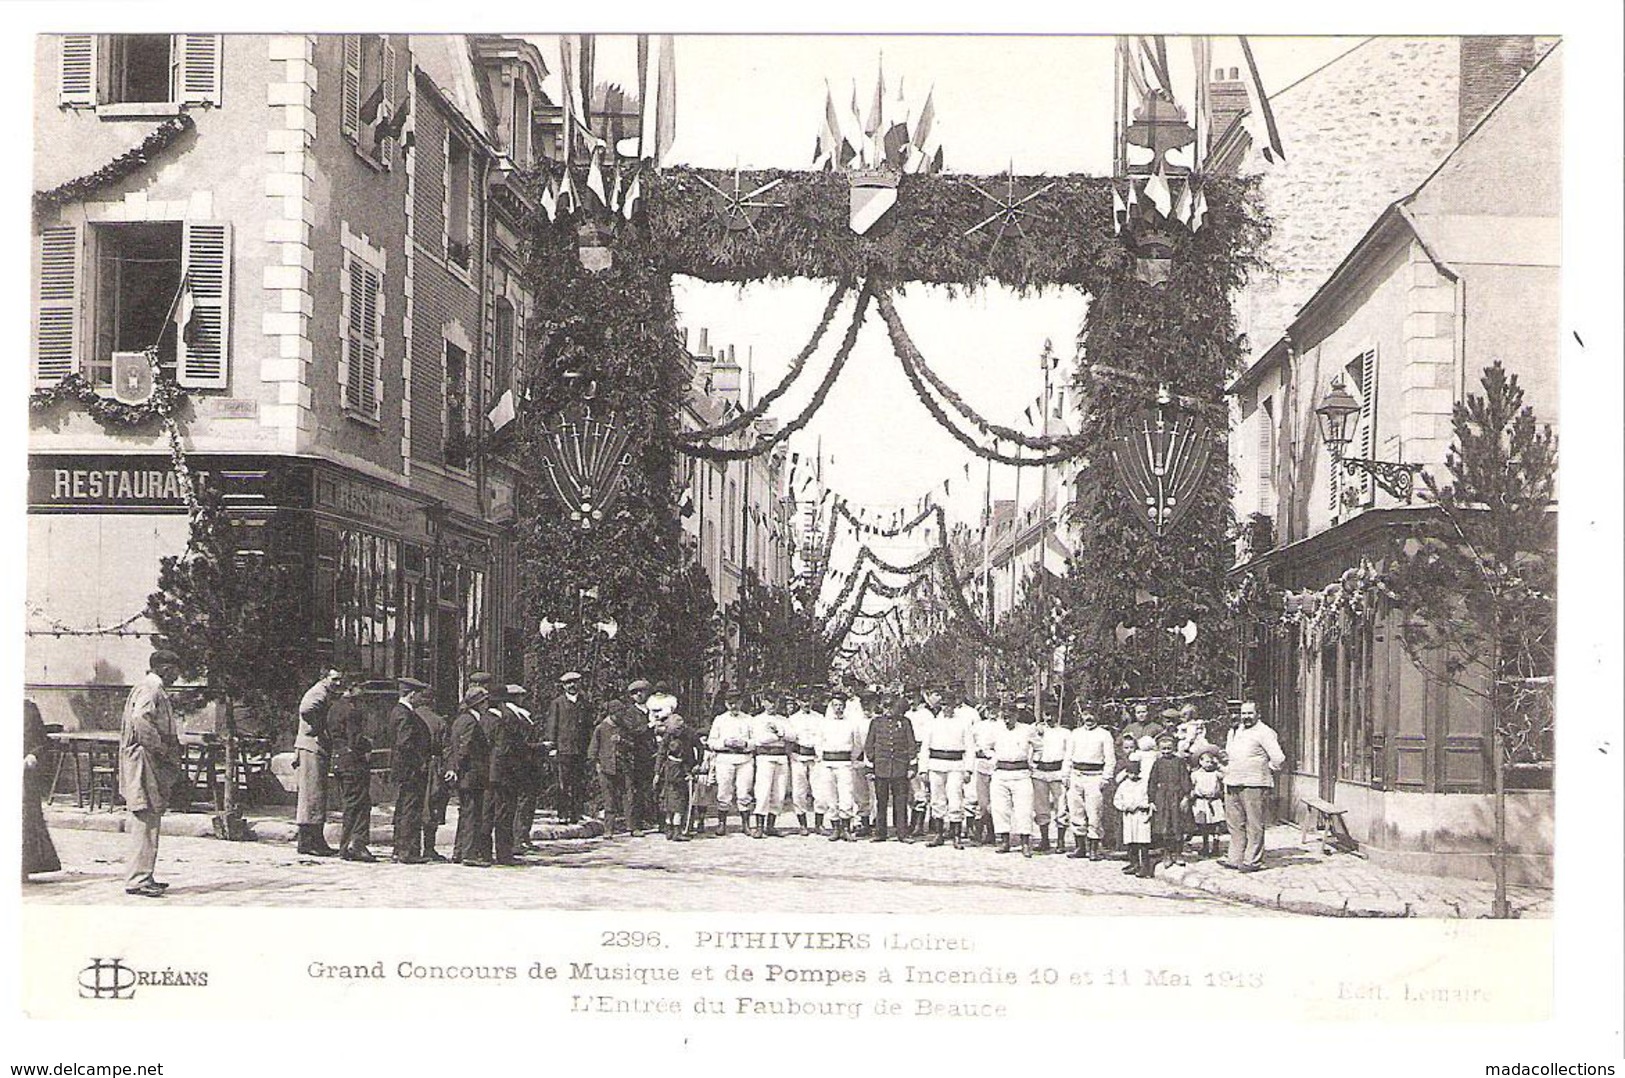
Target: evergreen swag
column 166, row 399
column 619, row 327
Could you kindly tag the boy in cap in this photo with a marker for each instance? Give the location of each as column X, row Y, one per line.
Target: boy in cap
column 351, row 752
column 607, row 757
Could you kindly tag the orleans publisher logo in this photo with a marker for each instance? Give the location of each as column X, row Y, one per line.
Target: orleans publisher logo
column 106, row 978
column 110, row 978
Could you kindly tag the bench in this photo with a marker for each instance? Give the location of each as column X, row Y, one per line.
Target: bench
column 1329, row 826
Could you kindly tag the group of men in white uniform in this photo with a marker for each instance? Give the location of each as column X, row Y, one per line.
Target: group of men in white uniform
column 998, row 777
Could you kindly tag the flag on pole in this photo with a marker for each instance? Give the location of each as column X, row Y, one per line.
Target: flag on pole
column 504, row 411
column 1198, row 209
column 630, row 201
column 1156, row 189
column 550, row 200
column 1182, row 207
column 595, row 177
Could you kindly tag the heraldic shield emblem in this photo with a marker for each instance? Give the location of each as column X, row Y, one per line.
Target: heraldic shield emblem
column 584, row 458
column 1162, row 457
column 132, row 377
column 874, row 192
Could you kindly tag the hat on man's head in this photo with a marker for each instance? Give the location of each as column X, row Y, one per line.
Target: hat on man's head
column 476, row 694
column 411, row 684
column 513, row 690
column 570, row 677
column 480, row 677
column 640, row 685
column 163, row 657
column 1170, row 713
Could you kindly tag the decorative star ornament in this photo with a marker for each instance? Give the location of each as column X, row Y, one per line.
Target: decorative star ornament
column 738, row 211
column 1011, row 209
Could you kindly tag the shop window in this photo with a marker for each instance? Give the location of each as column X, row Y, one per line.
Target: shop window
column 1355, row 656
column 459, row 167
column 457, row 448
column 128, row 287
column 136, row 73
column 366, row 607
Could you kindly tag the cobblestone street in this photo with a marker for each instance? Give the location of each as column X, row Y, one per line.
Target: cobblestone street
column 792, row 874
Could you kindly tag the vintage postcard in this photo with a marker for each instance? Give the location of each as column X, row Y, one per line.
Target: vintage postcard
column 718, row 531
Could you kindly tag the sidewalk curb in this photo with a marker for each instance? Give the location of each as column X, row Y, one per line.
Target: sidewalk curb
column 1289, row 899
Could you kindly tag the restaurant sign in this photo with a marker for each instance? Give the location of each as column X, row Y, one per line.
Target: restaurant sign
column 69, row 482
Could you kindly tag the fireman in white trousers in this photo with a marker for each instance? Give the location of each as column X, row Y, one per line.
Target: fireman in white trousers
column 839, row 749
column 734, row 765
column 979, row 800
column 803, row 738
column 770, row 743
column 947, row 749
column 1049, row 782
column 1091, row 755
column 1012, row 782
column 858, row 707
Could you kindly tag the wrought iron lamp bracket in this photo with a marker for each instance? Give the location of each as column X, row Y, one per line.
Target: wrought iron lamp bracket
column 1396, row 478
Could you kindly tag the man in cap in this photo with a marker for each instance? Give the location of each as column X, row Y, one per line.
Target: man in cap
column 730, row 739
column 1012, row 749
column 803, row 742
column 311, row 759
column 149, row 768
column 919, row 718
column 950, row 747
column 510, row 770
column 840, row 745
column 891, row 754
column 437, row 788
column 1049, row 782
column 643, row 743
column 409, row 765
column 607, row 755
column 524, row 813
column 1091, row 754
column 468, row 767
column 351, row 751
column 769, row 739
column 566, row 730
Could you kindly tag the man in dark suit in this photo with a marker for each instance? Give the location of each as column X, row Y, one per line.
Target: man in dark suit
column 566, row 730
column 510, row 769
column 409, row 768
column 351, row 750
column 524, row 813
column 468, row 767
column 437, row 790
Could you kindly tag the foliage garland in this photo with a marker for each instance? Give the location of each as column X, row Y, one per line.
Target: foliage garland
column 110, row 413
column 121, row 167
column 865, row 527
column 907, row 354
column 762, row 445
column 759, row 409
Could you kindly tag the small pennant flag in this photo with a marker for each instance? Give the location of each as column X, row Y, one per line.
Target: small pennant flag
column 629, row 201
column 568, row 199
column 595, row 178
column 1156, row 189
column 1198, row 209
column 550, row 200
column 1119, row 210
column 1182, row 207
column 503, row 413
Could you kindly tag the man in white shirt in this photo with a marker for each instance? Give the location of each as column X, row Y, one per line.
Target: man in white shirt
column 984, row 729
column 839, row 749
column 919, row 717
column 1252, row 757
column 859, row 703
column 1091, row 761
column 1012, row 749
column 803, row 744
column 949, row 749
column 735, row 766
column 1049, row 782
column 770, row 743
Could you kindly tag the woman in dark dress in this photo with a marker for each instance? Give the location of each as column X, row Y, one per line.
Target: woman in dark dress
column 1169, row 788
column 39, row 852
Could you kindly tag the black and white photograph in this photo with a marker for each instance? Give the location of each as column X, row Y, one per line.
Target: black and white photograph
column 724, row 485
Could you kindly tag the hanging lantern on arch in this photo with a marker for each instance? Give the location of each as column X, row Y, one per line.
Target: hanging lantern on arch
column 584, row 458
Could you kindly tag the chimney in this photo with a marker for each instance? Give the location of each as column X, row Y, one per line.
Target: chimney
column 1490, row 66
column 1227, row 101
column 705, row 341
column 725, row 376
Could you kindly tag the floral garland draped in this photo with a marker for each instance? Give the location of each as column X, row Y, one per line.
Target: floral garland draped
column 121, row 167
column 864, row 527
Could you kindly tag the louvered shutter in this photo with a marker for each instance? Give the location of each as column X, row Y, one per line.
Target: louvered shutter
column 374, row 313
column 76, row 87
column 1365, row 437
column 199, row 82
column 385, row 148
column 361, row 390
column 56, row 324
column 1266, row 458
column 350, row 92
column 200, row 357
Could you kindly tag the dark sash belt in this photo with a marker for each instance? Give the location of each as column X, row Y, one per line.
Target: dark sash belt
column 1011, row 765
column 1049, row 765
column 771, row 750
column 1089, row 769
column 947, row 754
column 837, row 757
column 805, row 750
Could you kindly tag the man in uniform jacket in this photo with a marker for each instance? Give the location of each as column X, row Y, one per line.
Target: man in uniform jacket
column 468, row 767
column 437, row 789
column 149, row 768
column 409, row 767
column 892, row 755
column 311, row 748
column 352, row 765
column 510, row 771
column 566, row 728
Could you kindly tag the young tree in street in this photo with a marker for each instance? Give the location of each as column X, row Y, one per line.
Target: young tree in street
column 1479, row 577
column 237, row 621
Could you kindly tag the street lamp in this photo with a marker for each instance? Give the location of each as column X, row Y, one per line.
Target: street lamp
column 1337, row 411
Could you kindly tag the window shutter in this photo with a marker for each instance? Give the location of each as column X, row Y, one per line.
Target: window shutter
column 77, row 85
column 200, row 68
column 361, row 388
column 385, row 148
column 1366, row 440
column 373, row 309
column 56, row 327
column 206, row 329
column 350, row 94
column 347, row 341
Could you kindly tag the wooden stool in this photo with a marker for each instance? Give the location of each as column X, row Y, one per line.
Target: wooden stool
column 1329, row 825
column 103, row 776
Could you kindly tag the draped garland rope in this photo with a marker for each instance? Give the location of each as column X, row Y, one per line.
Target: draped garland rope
column 759, row 409
column 762, row 445
column 906, row 352
column 886, row 533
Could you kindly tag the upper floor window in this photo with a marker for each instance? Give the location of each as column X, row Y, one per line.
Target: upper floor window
column 127, row 286
column 369, row 110
column 459, row 181
column 504, row 332
column 361, row 377
column 457, row 448
column 139, row 74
